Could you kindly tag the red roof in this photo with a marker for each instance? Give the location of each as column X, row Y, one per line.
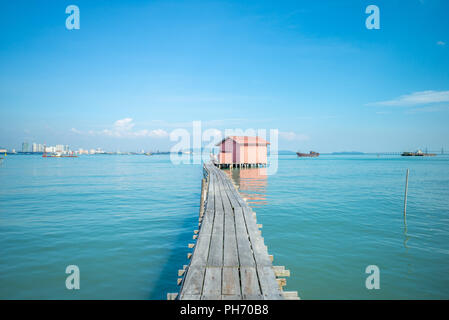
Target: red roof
column 245, row 140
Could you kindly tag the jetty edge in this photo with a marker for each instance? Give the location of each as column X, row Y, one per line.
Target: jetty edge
column 230, row 260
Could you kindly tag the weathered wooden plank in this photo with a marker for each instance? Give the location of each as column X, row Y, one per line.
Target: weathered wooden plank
column 258, row 247
column 250, row 219
column 246, row 256
column 224, row 188
column 280, row 271
column 207, row 224
column 200, row 254
column 208, row 217
column 260, row 252
column 212, row 284
column 291, row 295
column 268, row 284
column 230, row 255
column 216, row 244
column 243, row 245
column 202, row 197
column 242, row 203
column 231, row 282
column 215, row 258
column 193, row 283
column 172, row 296
column 210, row 193
column 232, row 193
column 281, row 282
column 257, row 244
column 194, row 277
column 250, row 284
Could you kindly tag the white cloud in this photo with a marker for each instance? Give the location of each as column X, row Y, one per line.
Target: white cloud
column 124, row 124
column 441, row 43
column 292, row 136
column 123, row 128
column 75, row 131
column 415, row 99
column 158, row 133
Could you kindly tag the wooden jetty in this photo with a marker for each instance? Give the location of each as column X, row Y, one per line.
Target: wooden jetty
column 230, row 260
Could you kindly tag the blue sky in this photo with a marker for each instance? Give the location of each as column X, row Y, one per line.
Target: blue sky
column 136, row 70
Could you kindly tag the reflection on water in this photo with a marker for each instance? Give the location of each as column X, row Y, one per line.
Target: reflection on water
column 251, row 183
column 406, row 236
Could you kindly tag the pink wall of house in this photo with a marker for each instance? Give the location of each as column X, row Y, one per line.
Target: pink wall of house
column 262, row 154
column 236, row 150
column 229, row 152
column 253, row 154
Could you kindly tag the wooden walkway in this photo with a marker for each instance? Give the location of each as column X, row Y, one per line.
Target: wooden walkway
column 230, row 260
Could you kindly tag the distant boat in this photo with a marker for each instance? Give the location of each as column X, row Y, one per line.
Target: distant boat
column 148, row 153
column 312, row 154
column 59, row 155
column 418, row 153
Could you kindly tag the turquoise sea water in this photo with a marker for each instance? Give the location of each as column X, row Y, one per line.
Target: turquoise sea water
column 125, row 221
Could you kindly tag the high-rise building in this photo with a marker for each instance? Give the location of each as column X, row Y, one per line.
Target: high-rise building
column 50, row 149
column 38, row 147
column 25, row 147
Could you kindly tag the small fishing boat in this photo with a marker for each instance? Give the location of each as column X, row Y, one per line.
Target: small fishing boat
column 312, row 154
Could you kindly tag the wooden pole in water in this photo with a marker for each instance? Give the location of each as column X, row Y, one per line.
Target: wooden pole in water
column 405, row 197
column 203, row 185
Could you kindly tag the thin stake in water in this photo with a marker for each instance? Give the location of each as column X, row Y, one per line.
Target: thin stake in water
column 406, row 191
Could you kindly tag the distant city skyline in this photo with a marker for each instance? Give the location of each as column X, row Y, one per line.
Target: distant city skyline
column 58, row 148
column 40, row 148
column 136, row 70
